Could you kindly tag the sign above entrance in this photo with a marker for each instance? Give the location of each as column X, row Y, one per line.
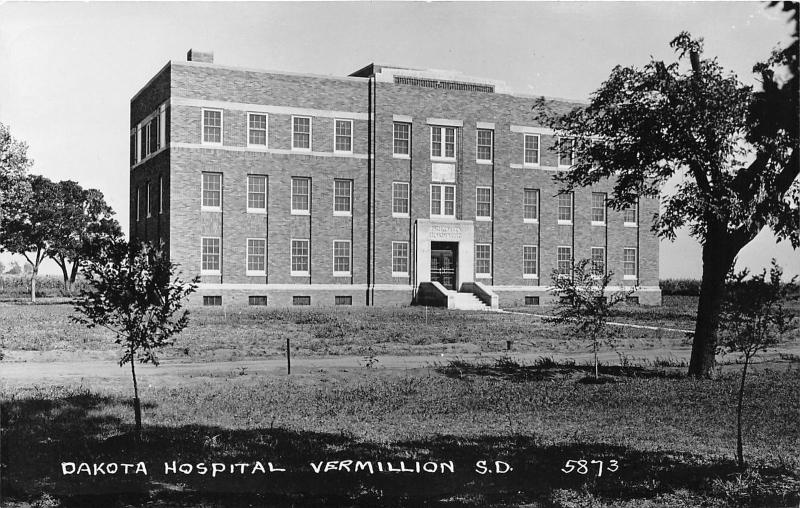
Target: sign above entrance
column 442, row 172
column 445, row 232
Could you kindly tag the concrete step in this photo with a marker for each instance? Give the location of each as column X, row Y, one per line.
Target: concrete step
column 468, row 301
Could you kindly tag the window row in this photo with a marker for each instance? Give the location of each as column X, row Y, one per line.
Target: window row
column 261, row 300
column 149, row 136
column 146, row 193
column 564, row 261
column 258, row 131
column 256, row 257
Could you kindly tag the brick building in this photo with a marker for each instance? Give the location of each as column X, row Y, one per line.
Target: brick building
column 377, row 188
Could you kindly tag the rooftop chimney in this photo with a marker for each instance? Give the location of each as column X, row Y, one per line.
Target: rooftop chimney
column 200, row 56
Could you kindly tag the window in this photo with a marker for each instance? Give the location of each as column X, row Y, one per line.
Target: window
column 212, row 191
column 256, row 193
column 629, row 263
column 301, row 300
column 257, row 301
column 400, row 199
column 212, row 301
column 301, row 196
column 484, row 150
column 483, row 260
column 257, row 129
column 565, row 208
column 399, row 259
column 483, row 203
column 210, row 256
column 300, row 257
column 598, row 209
column 530, row 262
column 629, row 215
column 443, row 200
column 598, row 261
column 138, row 205
column 160, row 194
column 134, row 156
column 342, row 197
column 343, row 136
column 531, row 150
column 530, row 205
column 341, row 258
column 531, row 300
column 152, row 136
column 147, row 203
column 402, row 138
column 443, row 143
column 256, row 256
column 343, row 300
column 566, row 152
column 212, row 126
column 564, row 261
column 301, row 133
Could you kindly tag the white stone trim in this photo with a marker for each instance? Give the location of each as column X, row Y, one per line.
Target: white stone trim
column 301, row 287
column 280, row 151
column 444, row 122
column 485, row 125
column 532, row 130
column 531, row 166
column 402, row 118
column 266, row 108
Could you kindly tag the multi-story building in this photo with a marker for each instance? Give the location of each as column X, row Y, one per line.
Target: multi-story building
column 376, row 188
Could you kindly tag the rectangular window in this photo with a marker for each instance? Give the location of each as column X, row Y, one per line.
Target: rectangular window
column 301, row 300
column 400, row 199
column 566, row 152
column 300, row 255
column 565, row 208
column 301, row 196
column 341, row 258
column 138, row 205
column 260, row 301
column 598, row 261
column 443, row 143
column 399, row 259
column 142, row 142
column 531, row 300
column 484, row 150
column 256, row 193
column 212, row 191
column 343, row 142
column 342, row 197
column 564, row 261
column 483, row 260
column 210, row 262
column 301, row 133
column 257, row 129
column 147, row 140
column 483, row 203
column 134, row 159
column 256, row 256
column 443, row 200
column 531, row 150
column 212, row 301
column 212, row 126
column 530, row 262
column 343, row 300
column 530, row 205
column 629, row 263
column 153, row 136
column 629, row 215
column 598, row 209
column 160, row 194
column 402, row 138
column 147, row 203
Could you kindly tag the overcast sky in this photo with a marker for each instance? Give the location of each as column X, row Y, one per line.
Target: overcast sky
column 68, row 70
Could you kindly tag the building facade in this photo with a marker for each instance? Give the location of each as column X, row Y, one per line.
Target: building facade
column 280, row 189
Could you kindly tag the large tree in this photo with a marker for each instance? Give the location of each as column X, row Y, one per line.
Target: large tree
column 83, row 225
column 733, row 150
column 14, row 188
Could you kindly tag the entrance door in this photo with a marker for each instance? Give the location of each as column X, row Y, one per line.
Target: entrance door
column 443, row 263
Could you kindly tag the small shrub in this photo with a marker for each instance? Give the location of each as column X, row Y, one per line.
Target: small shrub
column 679, row 287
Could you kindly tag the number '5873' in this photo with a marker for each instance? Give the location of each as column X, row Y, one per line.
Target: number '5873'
column 590, row 466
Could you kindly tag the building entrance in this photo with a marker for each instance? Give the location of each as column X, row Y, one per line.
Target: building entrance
column 444, row 260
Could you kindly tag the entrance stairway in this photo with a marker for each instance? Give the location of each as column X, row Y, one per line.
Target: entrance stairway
column 468, row 301
column 472, row 296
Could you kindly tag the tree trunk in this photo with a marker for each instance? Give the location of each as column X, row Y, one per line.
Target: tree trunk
column 137, row 409
column 718, row 257
column 62, row 264
column 73, row 275
column 33, row 283
column 739, row 453
column 596, row 368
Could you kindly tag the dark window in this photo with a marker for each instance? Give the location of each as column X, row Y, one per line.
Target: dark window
column 531, row 300
column 212, row 301
column 301, row 300
column 344, row 300
column 257, row 300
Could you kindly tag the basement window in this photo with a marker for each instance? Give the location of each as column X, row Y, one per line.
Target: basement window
column 257, row 300
column 212, row 301
column 531, row 300
column 343, row 300
column 301, row 300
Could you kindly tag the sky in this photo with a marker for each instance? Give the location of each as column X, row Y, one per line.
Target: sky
column 69, row 70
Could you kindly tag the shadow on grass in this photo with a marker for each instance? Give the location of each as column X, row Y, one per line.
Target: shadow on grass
column 546, row 368
column 38, row 434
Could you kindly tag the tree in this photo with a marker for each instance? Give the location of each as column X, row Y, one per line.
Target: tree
column 735, row 151
column 14, row 188
column 585, row 304
column 754, row 317
column 135, row 293
column 30, row 232
column 84, row 224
